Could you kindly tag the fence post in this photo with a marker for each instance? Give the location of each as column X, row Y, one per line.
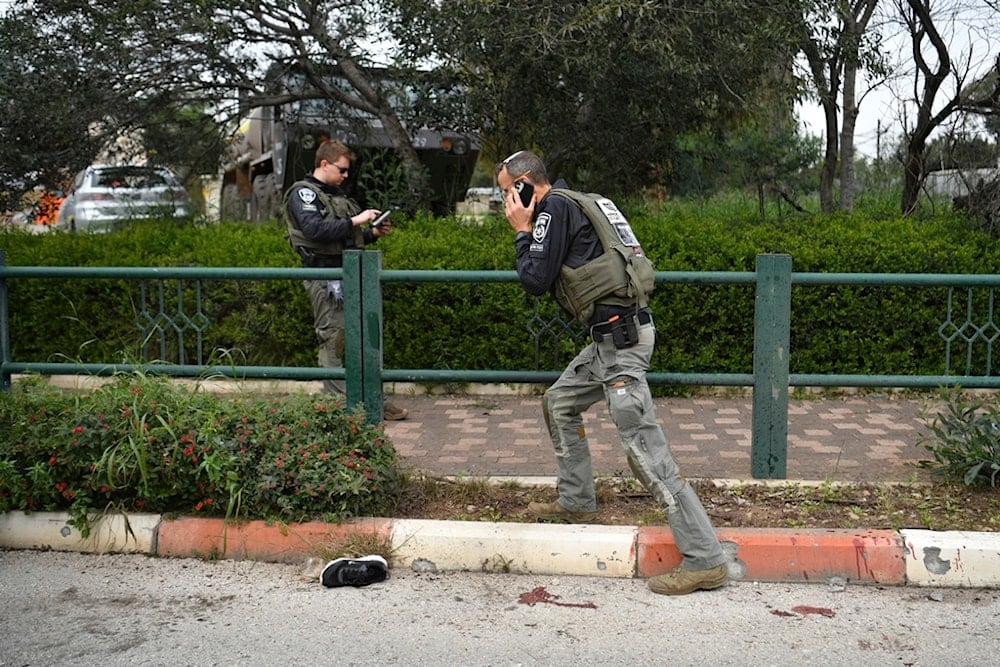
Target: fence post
column 353, row 370
column 4, row 328
column 371, row 331
column 772, row 322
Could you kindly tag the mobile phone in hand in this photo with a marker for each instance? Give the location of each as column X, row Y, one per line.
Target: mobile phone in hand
column 383, row 216
column 524, row 190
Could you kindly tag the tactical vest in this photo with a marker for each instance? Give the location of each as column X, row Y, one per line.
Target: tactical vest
column 621, row 276
column 336, row 207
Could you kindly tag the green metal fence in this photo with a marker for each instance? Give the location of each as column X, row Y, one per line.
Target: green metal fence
column 364, row 372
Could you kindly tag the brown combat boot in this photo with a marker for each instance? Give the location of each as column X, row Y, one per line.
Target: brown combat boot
column 681, row 582
column 393, row 413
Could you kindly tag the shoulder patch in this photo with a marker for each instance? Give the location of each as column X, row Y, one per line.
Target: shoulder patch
column 307, row 195
column 541, row 227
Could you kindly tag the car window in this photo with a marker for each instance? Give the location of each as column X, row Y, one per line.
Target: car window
column 131, row 177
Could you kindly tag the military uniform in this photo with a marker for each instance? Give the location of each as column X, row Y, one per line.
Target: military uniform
column 613, row 367
column 318, row 217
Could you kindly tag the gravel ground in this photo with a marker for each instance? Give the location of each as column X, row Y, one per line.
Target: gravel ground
column 76, row 609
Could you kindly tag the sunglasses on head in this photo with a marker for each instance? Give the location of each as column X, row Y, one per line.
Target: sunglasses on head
column 511, row 157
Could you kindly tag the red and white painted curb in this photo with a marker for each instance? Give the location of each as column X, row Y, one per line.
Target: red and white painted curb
column 886, row 557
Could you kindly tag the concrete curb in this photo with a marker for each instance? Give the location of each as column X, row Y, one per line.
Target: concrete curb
column 51, row 530
column 884, row 557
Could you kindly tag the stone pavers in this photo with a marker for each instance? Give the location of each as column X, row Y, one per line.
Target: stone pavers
column 874, row 438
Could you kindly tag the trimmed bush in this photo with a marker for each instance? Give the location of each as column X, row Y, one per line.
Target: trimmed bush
column 702, row 328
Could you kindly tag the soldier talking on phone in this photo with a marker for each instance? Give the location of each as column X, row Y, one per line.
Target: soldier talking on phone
column 581, row 248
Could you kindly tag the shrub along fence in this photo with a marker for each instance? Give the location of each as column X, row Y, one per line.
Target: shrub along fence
column 967, row 332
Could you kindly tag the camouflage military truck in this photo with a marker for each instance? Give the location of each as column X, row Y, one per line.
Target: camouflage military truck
column 275, row 146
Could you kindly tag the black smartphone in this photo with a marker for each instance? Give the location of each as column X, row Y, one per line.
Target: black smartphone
column 383, row 216
column 524, row 190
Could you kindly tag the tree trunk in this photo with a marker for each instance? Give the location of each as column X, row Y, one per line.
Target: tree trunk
column 913, row 175
column 828, row 174
column 826, row 90
column 847, row 177
column 921, row 26
column 855, row 24
column 825, row 75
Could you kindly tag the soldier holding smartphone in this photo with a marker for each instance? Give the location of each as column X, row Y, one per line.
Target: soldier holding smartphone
column 322, row 223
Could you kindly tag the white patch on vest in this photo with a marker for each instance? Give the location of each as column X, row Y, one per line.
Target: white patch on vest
column 307, row 196
column 541, row 227
column 618, row 222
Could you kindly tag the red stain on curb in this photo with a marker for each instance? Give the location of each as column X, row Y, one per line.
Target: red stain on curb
column 257, row 540
column 869, row 556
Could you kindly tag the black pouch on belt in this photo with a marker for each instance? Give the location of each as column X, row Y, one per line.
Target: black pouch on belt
column 624, row 332
column 307, row 255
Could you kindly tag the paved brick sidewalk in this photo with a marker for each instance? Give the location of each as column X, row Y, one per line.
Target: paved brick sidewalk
column 855, row 438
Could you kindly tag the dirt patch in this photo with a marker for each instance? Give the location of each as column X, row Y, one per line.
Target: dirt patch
column 621, row 501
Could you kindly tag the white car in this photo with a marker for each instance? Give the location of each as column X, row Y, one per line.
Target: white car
column 103, row 196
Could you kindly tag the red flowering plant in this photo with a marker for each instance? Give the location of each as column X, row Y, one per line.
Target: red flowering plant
column 118, row 447
column 306, row 457
column 141, row 443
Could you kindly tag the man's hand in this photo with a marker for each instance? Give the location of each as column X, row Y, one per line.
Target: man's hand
column 517, row 214
column 365, row 217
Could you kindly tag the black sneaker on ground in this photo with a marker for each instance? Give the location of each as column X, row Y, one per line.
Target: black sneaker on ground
column 354, row 571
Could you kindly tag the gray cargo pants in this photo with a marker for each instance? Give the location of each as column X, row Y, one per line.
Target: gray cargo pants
column 328, row 319
column 619, row 376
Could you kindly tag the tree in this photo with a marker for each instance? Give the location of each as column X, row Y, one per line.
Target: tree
column 603, row 88
column 74, row 85
column 935, row 66
column 51, row 102
column 771, row 161
column 211, row 55
column 838, row 45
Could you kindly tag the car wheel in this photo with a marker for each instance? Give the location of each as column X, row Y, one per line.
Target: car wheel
column 265, row 199
column 232, row 207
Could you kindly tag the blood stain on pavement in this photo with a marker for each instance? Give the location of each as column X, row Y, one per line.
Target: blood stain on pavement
column 539, row 594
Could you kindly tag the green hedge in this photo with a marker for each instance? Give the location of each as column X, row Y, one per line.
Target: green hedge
column 702, row 328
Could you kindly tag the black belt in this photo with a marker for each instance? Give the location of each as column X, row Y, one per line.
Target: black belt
column 314, row 260
column 599, row 331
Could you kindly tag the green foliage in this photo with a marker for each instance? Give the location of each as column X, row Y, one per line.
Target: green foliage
column 139, row 443
column 267, row 323
column 603, row 123
column 767, row 157
column 187, row 139
column 385, row 181
column 965, row 441
column 865, row 329
column 44, row 137
column 115, row 87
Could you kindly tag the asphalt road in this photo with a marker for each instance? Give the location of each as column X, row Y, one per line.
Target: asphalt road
column 84, row 609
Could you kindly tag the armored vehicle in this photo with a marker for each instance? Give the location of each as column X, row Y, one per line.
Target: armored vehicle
column 275, row 146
